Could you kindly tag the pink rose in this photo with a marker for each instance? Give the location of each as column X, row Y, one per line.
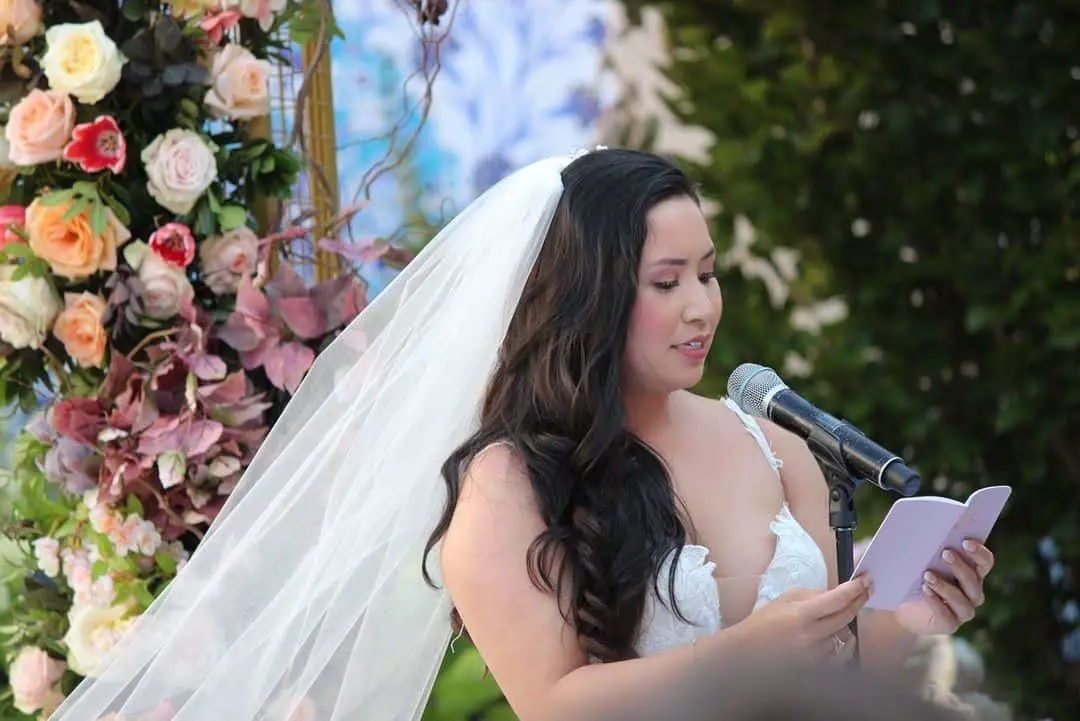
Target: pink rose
column 240, row 88
column 180, row 166
column 33, row 675
column 228, row 258
column 11, row 217
column 39, row 127
column 22, row 17
column 165, row 288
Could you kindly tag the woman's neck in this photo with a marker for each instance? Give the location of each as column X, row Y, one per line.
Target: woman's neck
column 649, row 414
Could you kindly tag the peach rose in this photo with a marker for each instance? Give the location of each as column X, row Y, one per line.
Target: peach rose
column 33, row 674
column 70, row 247
column 80, row 328
column 240, row 87
column 24, row 19
column 39, row 127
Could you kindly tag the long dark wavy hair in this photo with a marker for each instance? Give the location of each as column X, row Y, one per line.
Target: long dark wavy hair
column 606, row 498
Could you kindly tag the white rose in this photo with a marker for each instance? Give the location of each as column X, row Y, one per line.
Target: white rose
column 81, row 60
column 240, row 88
column 28, row 308
column 227, row 258
column 93, row 632
column 180, row 166
column 165, row 287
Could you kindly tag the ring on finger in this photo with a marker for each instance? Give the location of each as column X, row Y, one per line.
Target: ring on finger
column 838, row 644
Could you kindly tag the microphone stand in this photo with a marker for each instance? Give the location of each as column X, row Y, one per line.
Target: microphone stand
column 827, row 449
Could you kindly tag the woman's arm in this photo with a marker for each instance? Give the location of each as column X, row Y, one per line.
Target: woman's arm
column 883, row 643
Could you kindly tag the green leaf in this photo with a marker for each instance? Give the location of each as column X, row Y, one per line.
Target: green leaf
column 134, row 505
column 231, row 217
column 205, row 220
column 212, row 199
column 118, row 210
column 123, row 593
column 99, row 569
column 167, row 34
column 56, row 197
column 77, row 207
column 99, row 218
column 17, row 250
column 189, row 108
column 133, row 10
column 65, row 529
column 85, row 188
column 166, row 562
column 142, row 594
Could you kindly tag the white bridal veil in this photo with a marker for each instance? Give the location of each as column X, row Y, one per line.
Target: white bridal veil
column 305, row 601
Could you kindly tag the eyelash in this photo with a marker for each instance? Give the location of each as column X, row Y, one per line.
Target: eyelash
column 670, row 285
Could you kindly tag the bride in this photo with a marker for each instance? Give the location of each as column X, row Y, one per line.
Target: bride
column 610, row 541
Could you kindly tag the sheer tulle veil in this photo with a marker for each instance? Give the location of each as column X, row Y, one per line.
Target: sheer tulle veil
column 305, row 601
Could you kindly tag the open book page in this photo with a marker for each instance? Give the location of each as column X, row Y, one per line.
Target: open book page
column 913, row 535
column 984, row 506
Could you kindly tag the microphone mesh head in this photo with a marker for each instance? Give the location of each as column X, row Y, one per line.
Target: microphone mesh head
column 751, row 386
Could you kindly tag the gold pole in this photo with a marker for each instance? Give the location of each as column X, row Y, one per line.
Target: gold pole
column 322, row 155
column 261, row 129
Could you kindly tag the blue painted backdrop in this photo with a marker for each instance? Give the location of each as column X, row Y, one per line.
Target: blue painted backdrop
column 518, row 81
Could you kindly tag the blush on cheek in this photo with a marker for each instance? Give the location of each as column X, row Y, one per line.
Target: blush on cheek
column 652, row 328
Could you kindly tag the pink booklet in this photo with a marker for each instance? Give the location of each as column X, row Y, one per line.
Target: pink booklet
column 913, row 535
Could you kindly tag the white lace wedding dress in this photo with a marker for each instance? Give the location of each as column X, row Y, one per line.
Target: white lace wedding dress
column 796, row 562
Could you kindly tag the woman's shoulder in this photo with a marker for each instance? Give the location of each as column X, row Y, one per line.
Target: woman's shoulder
column 497, row 470
column 495, row 507
column 725, row 408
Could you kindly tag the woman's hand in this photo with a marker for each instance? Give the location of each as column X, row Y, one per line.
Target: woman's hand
column 807, row 623
column 948, row 604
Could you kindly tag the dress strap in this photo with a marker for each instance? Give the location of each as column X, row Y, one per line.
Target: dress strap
column 754, row 430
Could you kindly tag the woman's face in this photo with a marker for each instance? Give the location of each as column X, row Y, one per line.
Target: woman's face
column 678, row 302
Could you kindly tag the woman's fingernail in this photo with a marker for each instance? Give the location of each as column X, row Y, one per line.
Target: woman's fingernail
column 926, row 590
column 929, row 578
column 969, row 546
column 949, row 556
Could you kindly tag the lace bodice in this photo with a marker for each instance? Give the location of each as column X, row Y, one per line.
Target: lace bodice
column 797, row 562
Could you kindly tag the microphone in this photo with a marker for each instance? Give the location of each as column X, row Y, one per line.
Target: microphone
column 760, row 392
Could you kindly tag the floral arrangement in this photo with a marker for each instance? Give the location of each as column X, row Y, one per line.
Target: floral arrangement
column 150, row 321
